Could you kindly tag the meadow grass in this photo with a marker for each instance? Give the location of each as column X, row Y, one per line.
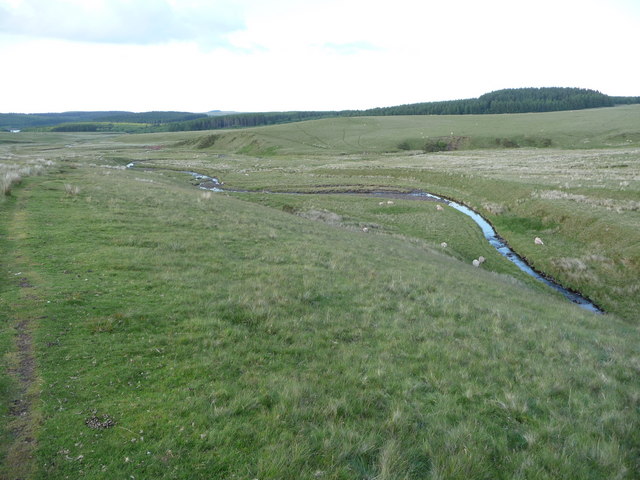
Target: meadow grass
column 184, row 334
column 594, row 128
column 226, row 338
column 584, row 203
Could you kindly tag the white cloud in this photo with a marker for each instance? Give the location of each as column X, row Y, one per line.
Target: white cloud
column 121, row 21
column 305, row 54
column 350, row 48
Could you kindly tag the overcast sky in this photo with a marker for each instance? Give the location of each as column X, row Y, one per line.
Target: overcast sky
column 270, row 55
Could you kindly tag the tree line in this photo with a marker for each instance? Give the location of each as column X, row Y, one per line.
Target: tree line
column 41, row 120
column 516, row 100
column 240, row 120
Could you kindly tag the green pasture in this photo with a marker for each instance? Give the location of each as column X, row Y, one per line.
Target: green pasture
column 186, row 334
column 581, row 194
column 583, row 129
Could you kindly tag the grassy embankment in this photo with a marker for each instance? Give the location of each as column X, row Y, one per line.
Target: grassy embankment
column 581, row 195
column 228, row 339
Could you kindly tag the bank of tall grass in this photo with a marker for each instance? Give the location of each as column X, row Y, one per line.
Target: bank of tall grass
column 11, row 174
column 14, row 167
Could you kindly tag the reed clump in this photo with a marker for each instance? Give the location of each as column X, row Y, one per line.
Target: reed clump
column 12, row 174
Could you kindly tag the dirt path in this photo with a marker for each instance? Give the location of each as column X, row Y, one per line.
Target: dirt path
column 22, row 423
column 23, row 310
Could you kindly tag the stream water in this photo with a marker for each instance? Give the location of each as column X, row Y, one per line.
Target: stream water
column 213, row 184
column 501, row 246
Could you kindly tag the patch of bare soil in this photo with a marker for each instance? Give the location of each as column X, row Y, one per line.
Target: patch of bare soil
column 22, row 423
column 99, row 422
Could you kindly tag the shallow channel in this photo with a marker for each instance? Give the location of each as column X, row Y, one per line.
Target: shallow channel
column 213, row 184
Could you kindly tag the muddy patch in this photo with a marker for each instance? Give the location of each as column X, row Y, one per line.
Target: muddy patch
column 97, row 422
column 21, row 412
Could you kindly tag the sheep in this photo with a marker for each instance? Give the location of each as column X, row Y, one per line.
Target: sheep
column 389, row 202
column 475, row 263
column 365, row 229
column 439, row 208
column 205, row 195
column 538, row 241
column 443, row 244
column 481, row 259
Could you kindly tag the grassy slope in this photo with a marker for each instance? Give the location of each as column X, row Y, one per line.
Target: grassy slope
column 595, row 128
column 233, row 339
column 585, row 203
column 285, row 348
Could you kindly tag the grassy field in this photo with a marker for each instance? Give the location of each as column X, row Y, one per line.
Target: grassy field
column 583, row 129
column 583, row 198
column 154, row 330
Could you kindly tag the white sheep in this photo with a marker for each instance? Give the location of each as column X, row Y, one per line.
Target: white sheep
column 481, row 259
column 439, row 208
column 476, row 263
column 389, row 202
column 538, row 241
column 365, row 229
column 443, row 244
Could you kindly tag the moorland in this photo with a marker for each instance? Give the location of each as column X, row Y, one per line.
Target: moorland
column 152, row 329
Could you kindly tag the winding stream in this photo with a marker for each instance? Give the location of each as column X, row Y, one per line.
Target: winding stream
column 214, row 185
column 501, row 246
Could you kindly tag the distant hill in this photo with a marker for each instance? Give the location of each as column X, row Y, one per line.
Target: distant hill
column 59, row 120
column 217, row 113
column 516, row 100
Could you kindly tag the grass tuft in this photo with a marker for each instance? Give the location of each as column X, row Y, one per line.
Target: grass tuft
column 71, row 190
column 15, row 170
column 8, row 180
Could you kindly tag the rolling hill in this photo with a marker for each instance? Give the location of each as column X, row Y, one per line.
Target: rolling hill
column 296, row 327
column 517, row 100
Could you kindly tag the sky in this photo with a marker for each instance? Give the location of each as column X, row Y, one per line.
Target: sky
column 280, row 55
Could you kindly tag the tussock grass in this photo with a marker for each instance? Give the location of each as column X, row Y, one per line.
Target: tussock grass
column 7, row 180
column 611, row 204
column 12, row 173
column 71, row 190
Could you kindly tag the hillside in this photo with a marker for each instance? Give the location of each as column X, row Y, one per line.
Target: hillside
column 517, row 100
column 85, row 121
column 584, row 176
column 152, row 329
column 348, row 135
